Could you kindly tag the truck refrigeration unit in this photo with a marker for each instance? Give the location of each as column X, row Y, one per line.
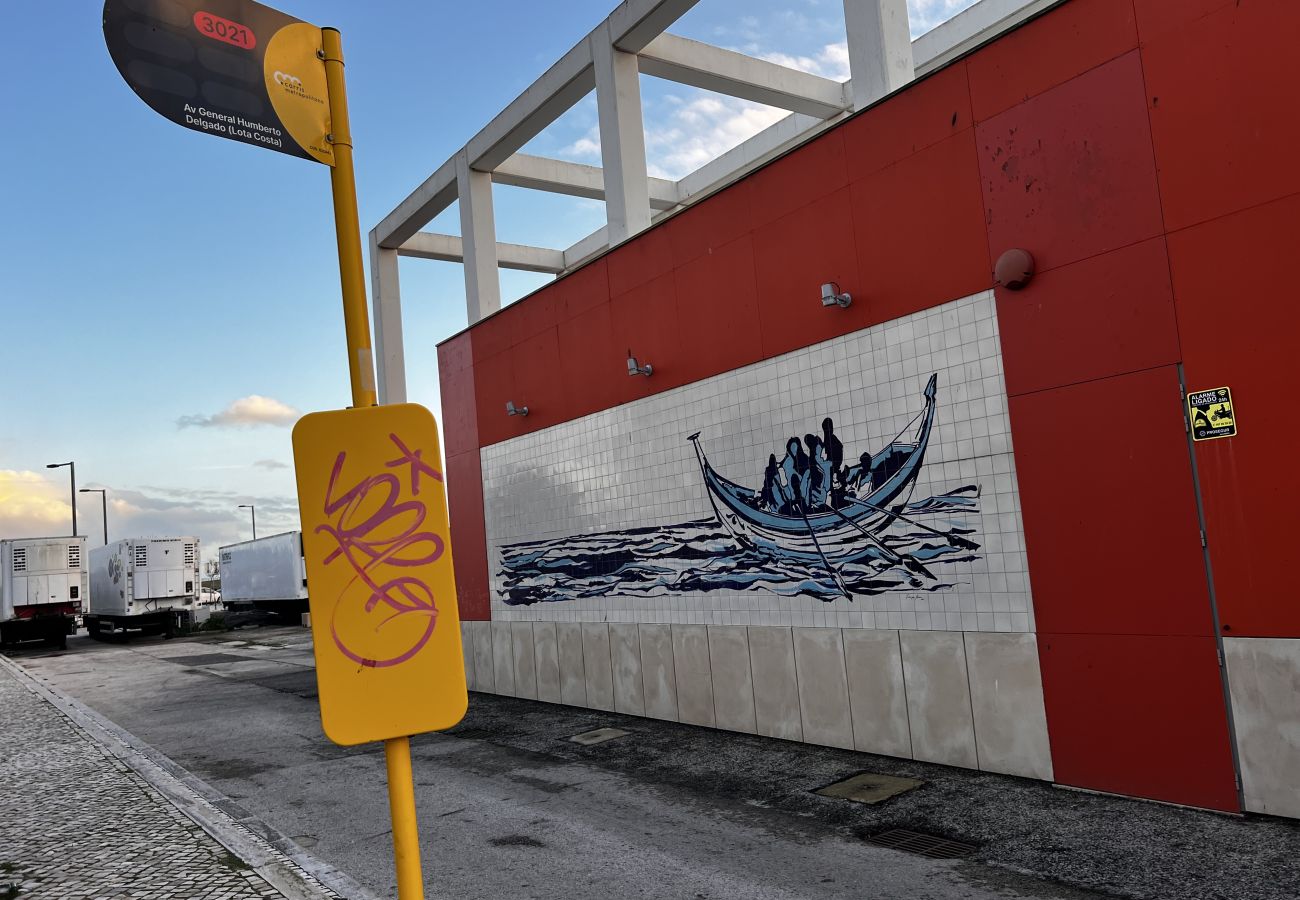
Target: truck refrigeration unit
column 43, row 585
column 268, row 574
column 148, row 585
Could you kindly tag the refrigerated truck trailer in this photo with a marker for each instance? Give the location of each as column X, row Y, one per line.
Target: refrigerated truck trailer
column 44, row 583
column 149, row 585
column 268, row 573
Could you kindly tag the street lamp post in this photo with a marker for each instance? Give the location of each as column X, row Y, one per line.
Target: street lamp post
column 253, row 511
column 72, row 472
column 103, row 496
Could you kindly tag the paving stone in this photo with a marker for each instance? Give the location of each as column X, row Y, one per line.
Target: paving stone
column 77, row 823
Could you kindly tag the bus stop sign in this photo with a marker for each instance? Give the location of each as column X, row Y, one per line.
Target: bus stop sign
column 231, row 68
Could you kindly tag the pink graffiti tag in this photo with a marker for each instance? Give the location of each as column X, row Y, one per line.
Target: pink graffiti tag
column 389, row 536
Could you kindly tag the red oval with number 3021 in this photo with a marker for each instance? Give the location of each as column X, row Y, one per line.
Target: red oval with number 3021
column 220, row 29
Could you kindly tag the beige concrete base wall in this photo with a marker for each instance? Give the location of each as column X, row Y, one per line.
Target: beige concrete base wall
column 970, row 699
column 1264, row 681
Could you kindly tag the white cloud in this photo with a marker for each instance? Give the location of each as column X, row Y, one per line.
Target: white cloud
column 698, row 130
column 243, row 413
column 831, row 61
column 270, row 464
column 31, row 505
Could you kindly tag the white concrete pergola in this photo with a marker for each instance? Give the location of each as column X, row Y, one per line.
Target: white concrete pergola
column 632, row 41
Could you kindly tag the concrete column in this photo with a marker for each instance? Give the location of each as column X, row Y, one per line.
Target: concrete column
column 386, row 309
column 880, row 48
column 622, row 137
column 478, row 234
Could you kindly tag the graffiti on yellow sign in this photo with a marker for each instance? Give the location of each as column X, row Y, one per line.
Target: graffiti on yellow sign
column 379, row 573
column 1210, row 415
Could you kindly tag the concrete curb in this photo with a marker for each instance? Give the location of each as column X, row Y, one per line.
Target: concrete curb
column 290, row 869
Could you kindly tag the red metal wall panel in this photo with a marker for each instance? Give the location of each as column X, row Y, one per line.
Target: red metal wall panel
column 464, row 481
column 920, row 230
column 930, row 111
column 1049, row 51
column 1132, row 714
column 1222, row 113
column 793, row 256
column 1234, row 286
column 1110, row 517
column 1102, row 316
column 717, row 312
column 1070, row 173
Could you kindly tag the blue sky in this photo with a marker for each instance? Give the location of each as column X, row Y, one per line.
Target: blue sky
column 171, row 299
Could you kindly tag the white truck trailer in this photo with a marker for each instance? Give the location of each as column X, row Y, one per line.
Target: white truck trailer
column 150, row 585
column 268, row 574
column 43, row 584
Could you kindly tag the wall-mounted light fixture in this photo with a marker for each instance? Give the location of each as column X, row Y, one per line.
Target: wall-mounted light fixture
column 512, row 410
column 831, row 296
column 1014, row 269
column 635, row 368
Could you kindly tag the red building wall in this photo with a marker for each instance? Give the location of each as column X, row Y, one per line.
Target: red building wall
column 1142, row 151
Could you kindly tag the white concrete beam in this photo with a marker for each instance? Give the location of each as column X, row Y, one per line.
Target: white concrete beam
column 450, row 248
column 386, row 310
column 638, row 22
column 592, row 245
column 712, row 68
column 559, row 176
column 880, row 48
column 436, row 194
column 479, row 236
column 544, row 101
column 622, row 137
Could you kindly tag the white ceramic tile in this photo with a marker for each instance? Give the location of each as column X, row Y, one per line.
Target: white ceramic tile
column 631, row 467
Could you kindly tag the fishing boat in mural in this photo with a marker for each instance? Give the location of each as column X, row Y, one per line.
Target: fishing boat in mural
column 834, row 533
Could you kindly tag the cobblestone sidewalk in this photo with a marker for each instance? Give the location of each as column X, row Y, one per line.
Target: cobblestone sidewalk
column 76, row 823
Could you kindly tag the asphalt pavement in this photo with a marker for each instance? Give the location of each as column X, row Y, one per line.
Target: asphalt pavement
column 510, row 807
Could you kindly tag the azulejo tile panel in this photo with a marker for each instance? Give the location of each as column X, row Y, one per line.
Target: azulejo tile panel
column 864, row 482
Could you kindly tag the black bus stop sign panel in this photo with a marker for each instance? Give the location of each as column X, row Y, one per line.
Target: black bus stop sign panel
column 231, row 68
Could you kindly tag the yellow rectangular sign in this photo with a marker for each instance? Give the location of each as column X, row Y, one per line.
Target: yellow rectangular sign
column 379, row 572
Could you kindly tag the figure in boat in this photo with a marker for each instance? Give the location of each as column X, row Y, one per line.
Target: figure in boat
column 811, row 506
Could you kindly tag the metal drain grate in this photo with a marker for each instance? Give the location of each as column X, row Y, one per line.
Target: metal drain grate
column 921, row 844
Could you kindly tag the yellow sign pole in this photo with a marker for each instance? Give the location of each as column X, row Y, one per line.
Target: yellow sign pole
column 361, row 368
column 343, row 180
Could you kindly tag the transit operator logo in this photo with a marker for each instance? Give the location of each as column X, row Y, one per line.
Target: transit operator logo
column 287, row 80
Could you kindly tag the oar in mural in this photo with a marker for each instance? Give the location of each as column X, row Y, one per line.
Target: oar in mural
column 912, row 565
column 955, row 540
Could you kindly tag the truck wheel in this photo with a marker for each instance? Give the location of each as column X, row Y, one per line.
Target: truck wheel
column 92, row 628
